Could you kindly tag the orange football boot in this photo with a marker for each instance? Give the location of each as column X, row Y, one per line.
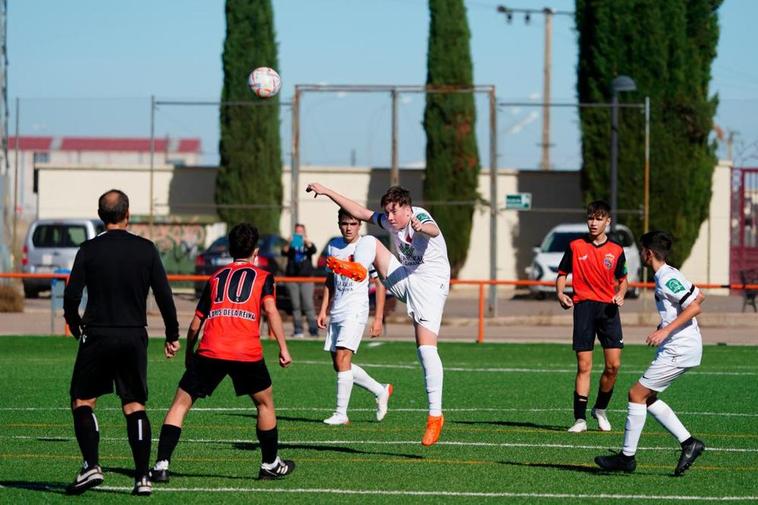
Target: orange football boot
column 349, row 269
column 433, row 430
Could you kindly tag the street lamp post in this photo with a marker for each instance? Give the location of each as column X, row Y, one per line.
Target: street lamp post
column 620, row 83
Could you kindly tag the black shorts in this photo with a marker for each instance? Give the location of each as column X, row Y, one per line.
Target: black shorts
column 203, row 375
column 597, row 318
column 107, row 356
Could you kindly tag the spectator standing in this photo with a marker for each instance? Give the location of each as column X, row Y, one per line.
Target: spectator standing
column 299, row 252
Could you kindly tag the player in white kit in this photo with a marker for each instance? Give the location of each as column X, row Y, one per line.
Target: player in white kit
column 680, row 348
column 347, row 321
column 418, row 277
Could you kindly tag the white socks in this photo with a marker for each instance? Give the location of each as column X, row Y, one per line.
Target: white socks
column 365, row 251
column 635, row 421
column 432, row 365
column 664, row 415
column 364, row 380
column 344, row 388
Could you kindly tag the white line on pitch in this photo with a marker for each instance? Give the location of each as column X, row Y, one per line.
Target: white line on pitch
column 381, row 442
column 329, row 409
column 400, row 492
column 514, row 370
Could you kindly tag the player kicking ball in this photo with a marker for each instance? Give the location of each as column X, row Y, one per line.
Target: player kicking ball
column 418, row 277
column 347, row 320
column 680, row 348
column 230, row 308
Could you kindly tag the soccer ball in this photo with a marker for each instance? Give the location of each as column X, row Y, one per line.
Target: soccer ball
column 264, row 82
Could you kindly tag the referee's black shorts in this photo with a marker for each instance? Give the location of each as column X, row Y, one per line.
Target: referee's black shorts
column 597, row 318
column 203, row 375
column 109, row 356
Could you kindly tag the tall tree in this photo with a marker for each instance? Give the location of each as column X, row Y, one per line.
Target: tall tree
column 667, row 48
column 250, row 145
column 452, row 159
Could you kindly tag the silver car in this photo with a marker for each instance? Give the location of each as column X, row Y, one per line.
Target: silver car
column 50, row 245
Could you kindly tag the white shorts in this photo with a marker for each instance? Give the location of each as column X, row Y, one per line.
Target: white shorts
column 347, row 334
column 661, row 373
column 423, row 298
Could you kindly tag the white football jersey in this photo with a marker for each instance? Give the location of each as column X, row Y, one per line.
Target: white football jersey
column 350, row 298
column 673, row 294
column 421, row 254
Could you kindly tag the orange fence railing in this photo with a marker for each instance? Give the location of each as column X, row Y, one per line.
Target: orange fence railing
column 481, row 283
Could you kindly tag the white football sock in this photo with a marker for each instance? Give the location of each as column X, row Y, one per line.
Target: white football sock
column 365, row 251
column 344, row 388
column 635, row 421
column 433, row 373
column 664, row 415
column 364, row 380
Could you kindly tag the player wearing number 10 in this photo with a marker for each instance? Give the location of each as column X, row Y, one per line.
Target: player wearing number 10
column 230, row 307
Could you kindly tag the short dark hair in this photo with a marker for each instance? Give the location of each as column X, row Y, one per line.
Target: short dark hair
column 113, row 206
column 243, row 239
column 343, row 213
column 659, row 242
column 598, row 208
column 398, row 195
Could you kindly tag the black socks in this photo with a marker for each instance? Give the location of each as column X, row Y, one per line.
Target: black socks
column 168, row 440
column 269, row 441
column 138, row 430
column 87, row 434
column 580, row 406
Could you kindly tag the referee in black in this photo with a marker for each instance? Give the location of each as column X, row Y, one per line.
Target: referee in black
column 118, row 269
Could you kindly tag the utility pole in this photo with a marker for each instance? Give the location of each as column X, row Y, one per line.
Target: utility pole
column 548, row 12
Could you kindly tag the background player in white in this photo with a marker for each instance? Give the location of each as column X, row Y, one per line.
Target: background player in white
column 419, row 277
column 347, row 320
column 680, row 348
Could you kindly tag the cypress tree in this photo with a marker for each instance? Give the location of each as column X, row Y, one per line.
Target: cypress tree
column 250, row 145
column 452, row 159
column 667, row 48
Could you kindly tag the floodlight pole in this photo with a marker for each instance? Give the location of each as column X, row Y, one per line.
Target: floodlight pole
column 395, row 168
column 15, row 183
column 295, row 161
column 152, row 163
column 493, row 202
column 620, row 83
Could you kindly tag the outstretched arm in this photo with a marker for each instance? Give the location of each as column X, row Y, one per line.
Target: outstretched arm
column 352, row 207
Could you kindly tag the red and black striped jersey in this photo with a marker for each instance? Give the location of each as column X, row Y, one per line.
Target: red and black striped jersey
column 230, row 307
column 595, row 269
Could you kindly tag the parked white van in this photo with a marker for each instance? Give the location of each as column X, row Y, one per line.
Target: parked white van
column 50, row 245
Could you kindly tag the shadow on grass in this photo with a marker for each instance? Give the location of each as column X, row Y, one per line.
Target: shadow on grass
column 518, row 424
column 558, row 466
column 129, row 472
column 250, row 446
column 47, row 487
column 281, row 418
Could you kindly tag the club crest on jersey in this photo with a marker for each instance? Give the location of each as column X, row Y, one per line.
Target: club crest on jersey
column 406, row 249
column 608, row 261
column 675, row 286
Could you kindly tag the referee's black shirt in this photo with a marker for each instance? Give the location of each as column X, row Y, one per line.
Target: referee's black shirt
column 118, row 268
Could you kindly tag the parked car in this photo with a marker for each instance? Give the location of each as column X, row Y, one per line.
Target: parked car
column 390, row 301
column 548, row 256
column 50, row 245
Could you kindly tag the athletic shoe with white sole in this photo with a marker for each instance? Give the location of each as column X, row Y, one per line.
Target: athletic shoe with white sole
column 143, row 487
column 336, row 420
column 382, row 400
column 579, row 426
column 276, row 470
column 87, row 478
column 691, row 450
column 159, row 473
column 602, row 419
column 617, row 463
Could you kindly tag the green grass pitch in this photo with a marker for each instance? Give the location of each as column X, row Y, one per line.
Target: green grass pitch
column 507, row 407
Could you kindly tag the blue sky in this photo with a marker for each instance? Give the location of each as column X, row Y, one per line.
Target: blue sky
column 88, row 67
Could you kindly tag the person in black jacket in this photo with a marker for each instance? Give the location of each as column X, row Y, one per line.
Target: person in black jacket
column 118, row 269
column 299, row 252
